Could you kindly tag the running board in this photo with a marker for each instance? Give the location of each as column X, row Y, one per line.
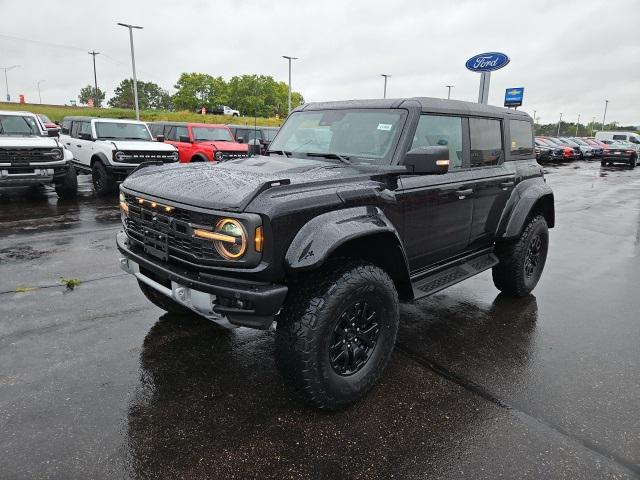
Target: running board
column 445, row 276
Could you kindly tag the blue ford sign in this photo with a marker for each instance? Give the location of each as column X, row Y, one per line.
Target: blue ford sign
column 487, row 62
column 513, row 97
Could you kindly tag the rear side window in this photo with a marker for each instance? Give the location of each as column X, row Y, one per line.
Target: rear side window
column 182, row 132
column 521, row 137
column 486, row 141
column 66, row 127
column 619, row 137
column 85, row 127
column 439, row 130
column 75, row 126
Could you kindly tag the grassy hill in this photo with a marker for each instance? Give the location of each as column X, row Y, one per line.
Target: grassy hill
column 58, row 112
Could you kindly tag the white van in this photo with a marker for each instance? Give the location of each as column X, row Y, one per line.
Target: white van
column 631, row 137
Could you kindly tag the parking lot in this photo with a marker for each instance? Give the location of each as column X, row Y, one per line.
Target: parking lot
column 98, row 383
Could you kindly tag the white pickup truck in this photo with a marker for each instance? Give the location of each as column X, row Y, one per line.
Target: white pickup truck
column 28, row 156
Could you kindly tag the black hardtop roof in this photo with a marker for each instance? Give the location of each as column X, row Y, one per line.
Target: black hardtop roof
column 257, row 127
column 106, row 119
column 184, row 124
column 426, row 104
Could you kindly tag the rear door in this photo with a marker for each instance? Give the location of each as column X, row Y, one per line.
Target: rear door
column 437, row 209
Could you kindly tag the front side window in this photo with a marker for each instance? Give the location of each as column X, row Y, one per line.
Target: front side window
column 440, row 130
column 85, row 128
column 486, row 141
column 359, row 135
column 521, row 137
column 18, row 125
column 211, row 134
column 122, row 131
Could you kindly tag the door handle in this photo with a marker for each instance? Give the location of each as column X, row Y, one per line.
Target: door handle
column 69, row 143
column 79, row 146
column 464, row 193
column 506, row 185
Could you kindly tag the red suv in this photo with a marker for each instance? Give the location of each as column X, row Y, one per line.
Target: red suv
column 200, row 142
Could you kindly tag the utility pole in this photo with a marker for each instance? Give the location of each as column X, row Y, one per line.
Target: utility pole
column 6, row 81
column 95, row 78
column 559, row 122
column 384, row 93
column 534, row 117
column 39, row 95
column 604, row 116
column 133, row 65
column 289, row 59
column 578, row 125
column 449, row 87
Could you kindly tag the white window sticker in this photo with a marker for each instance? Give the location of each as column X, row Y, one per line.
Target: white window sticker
column 384, row 126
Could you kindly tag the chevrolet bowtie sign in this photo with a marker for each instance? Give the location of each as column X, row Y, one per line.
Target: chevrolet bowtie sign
column 513, row 97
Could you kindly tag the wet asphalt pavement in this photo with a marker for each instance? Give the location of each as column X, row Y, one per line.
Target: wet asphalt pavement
column 96, row 382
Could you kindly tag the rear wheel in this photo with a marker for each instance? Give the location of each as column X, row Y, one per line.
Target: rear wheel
column 337, row 331
column 103, row 182
column 632, row 161
column 67, row 187
column 162, row 301
column 522, row 261
column 603, row 163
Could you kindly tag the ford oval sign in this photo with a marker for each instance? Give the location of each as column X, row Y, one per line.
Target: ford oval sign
column 487, row 62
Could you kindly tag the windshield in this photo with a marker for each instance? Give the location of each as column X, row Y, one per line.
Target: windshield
column 18, row 125
column 269, row 134
column 211, row 134
column 580, row 142
column 366, row 134
column 122, row 131
column 44, row 118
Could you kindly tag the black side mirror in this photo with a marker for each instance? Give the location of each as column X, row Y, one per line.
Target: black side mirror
column 240, row 139
column 427, row 160
column 52, row 133
column 160, row 138
column 184, row 139
column 85, row 136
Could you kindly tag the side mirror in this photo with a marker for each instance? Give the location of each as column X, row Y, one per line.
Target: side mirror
column 160, row 138
column 432, row 160
column 84, row 136
column 240, row 139
column 52, row 133
column 184, row 139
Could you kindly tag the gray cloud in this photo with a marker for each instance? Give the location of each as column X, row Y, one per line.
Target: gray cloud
column 570, row 56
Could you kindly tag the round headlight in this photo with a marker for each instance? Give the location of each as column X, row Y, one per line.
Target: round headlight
column 218, row 156
column 228, row 250
column 58, row 154
column 119, row 156
column 174, row 156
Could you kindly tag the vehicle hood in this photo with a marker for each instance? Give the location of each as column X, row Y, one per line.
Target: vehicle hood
column 141, row 145
column 227, row 146
column 42, row 142
column 232, row 185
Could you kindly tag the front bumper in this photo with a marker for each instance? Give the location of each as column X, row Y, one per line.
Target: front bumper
column 221, row 299
column 32, row 174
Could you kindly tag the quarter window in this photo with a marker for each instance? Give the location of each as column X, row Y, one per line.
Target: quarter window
column 486, row 141
column 440, row 130
column 521, row 137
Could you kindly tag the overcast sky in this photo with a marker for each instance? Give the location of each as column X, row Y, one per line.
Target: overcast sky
column 569, row 55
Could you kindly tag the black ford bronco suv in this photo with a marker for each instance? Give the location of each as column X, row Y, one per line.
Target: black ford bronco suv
column 356, row 206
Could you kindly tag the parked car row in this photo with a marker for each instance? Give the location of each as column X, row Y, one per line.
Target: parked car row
column 604, row 147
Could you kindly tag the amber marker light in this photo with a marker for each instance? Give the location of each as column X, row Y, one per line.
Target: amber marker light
column 141, row 201
column 154, row 204
column 124, row 207
column 220, row 237
column 258, row 239
column 168, row 209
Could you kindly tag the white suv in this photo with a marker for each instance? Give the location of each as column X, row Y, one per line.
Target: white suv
column 111, row 149
column 28, row 158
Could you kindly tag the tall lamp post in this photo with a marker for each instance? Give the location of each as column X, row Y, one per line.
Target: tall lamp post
column 95, row 78
column 578, row 125
column 384, row 92
column 604, row 116
column 39, row 95
column 449, row 87
column 289, row 59
column 6, row 81
column 133, row 64
column 592, row 122
column 559, row 122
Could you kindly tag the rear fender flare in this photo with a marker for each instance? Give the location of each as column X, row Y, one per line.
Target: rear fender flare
column 523, row 200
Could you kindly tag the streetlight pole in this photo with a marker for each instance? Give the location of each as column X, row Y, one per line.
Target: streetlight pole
column 95, row 78
column 449, row 87
column 384, row 92
column 534, row 117
column 592, row 122
column 6, row 81
column 289, row 59
column 133, row 64
column 604, row 116
column 39, row 95
column 578, row 125
column 559, row 122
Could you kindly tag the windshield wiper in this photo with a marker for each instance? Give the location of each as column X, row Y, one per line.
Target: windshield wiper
column 337, row 156
column 280, row 152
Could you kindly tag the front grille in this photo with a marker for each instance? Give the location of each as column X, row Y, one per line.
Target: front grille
column 177, row 227
column 26, row 155
column 139, row 156
column 233, row 155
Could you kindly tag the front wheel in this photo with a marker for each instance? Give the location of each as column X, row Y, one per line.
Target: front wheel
column 67, row 188
column 632, row 162
column 337, row 331
column 522, row 261
column 103, row 182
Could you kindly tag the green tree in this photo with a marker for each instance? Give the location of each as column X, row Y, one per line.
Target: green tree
column 260, row 95
column 150, row 96
column 195, row 90
column 88, row 93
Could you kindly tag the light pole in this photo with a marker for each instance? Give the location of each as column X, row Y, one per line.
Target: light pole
column 534, row 117
column 133, row 64
column 384, row 92
column 39, row 95
column 289, row 59
column 559, row 122
column 449, row 87
column 604, row 116
column 95, row 78
column 6, row 81
column 592, row 122
column 578, row 125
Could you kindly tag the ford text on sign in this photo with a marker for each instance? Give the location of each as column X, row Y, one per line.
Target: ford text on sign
column 487, row 62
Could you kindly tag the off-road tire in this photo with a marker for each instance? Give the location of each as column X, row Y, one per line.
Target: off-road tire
column 163, row 302
column 632, row 161
column 603, row 163
column 67, row 188
column 315, row 306
column 103, row 182
column 510, row 276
